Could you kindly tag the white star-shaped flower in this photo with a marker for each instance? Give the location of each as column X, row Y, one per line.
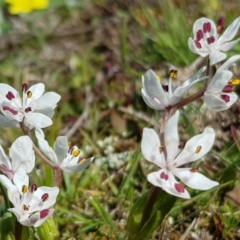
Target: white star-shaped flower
column 169, row 165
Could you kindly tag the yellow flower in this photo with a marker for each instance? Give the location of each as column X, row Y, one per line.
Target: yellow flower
column 26, row 6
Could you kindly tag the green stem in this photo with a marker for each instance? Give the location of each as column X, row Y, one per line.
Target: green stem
column 18, row 230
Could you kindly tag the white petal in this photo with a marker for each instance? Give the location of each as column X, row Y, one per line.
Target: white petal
column 166, row 185
column 198, row 24
column 215, row 103
column 42, row 220
column 12, row 112
column 37, row 120
column 171, row 137
column 228, row 45
column 61, row 148
column 182, row 89
column 230, row 32
column 4, row 160
column 6, row 122
column 77, row 167
column 150, row 147
column 20, row 178
column 216, row 56
column 194, row 180
column 47, row 100
column 196, row 147
column 153, row 87
column 51, row 191
column 229, row 63
column 37, row 90
column 219, row 81
column 152, row 102
column 12, row 190
column 4, row 89
column 44, row 146
column 22, row 154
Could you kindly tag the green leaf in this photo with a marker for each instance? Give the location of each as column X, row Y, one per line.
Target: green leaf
column 6, row 226
column 159, row 207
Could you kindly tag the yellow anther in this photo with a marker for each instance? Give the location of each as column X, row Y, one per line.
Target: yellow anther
column 198, row 149
column 161, row 148
column 194, row 169
column 76, row 152
column 82, row 160
column 235, row 81
column 70, row 144
column 29, row 94
column 159, row 77
column 24, row 189
column 24, row 207
column 173, row 74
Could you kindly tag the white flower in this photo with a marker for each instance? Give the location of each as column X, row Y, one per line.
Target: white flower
column 160, row 97
column 68, row 159
column 219, row 94
column 194, row 149
column 35, row 108
column 21, row 154
column 206, row 40
column 31, row 205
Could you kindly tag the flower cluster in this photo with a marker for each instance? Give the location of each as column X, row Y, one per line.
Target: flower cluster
column 32, row 205
column 217, row 94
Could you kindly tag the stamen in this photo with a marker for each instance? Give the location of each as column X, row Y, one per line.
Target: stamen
column 161, row 148
column 28, row 109
column 25, row 207
column 24, row 189
column 235, row 81
column 24, row 87
column 194, row 169
column 179, row 187
column 76, row 152
column 163, row 175
column 82, row 160
column 198, row 44
column 221, row 23
column 34, row 188
column 6, row 108
column 44, row 213
column 45, row 197
column 165, row 88
column 173, row 74
column 70, row 150
column 198, row 149
column 29, row 94
column 70, row 144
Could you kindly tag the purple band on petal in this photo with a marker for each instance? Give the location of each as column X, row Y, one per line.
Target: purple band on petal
column 6, row 108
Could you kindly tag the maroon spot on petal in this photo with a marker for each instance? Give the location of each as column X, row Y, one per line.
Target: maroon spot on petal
column 226, row 98
column 45, row 197
column 70, row 150
column 208, row 26
column 10, row 95
column 198, row 44
column 205, row 27
column 179, row 187
column 164, row 176
column 6, row 108
column 228, row 88
column 165, row 88
column 44, row 213
column 199, row 35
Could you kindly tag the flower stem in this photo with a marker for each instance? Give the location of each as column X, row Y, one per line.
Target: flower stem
column 18, row 230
